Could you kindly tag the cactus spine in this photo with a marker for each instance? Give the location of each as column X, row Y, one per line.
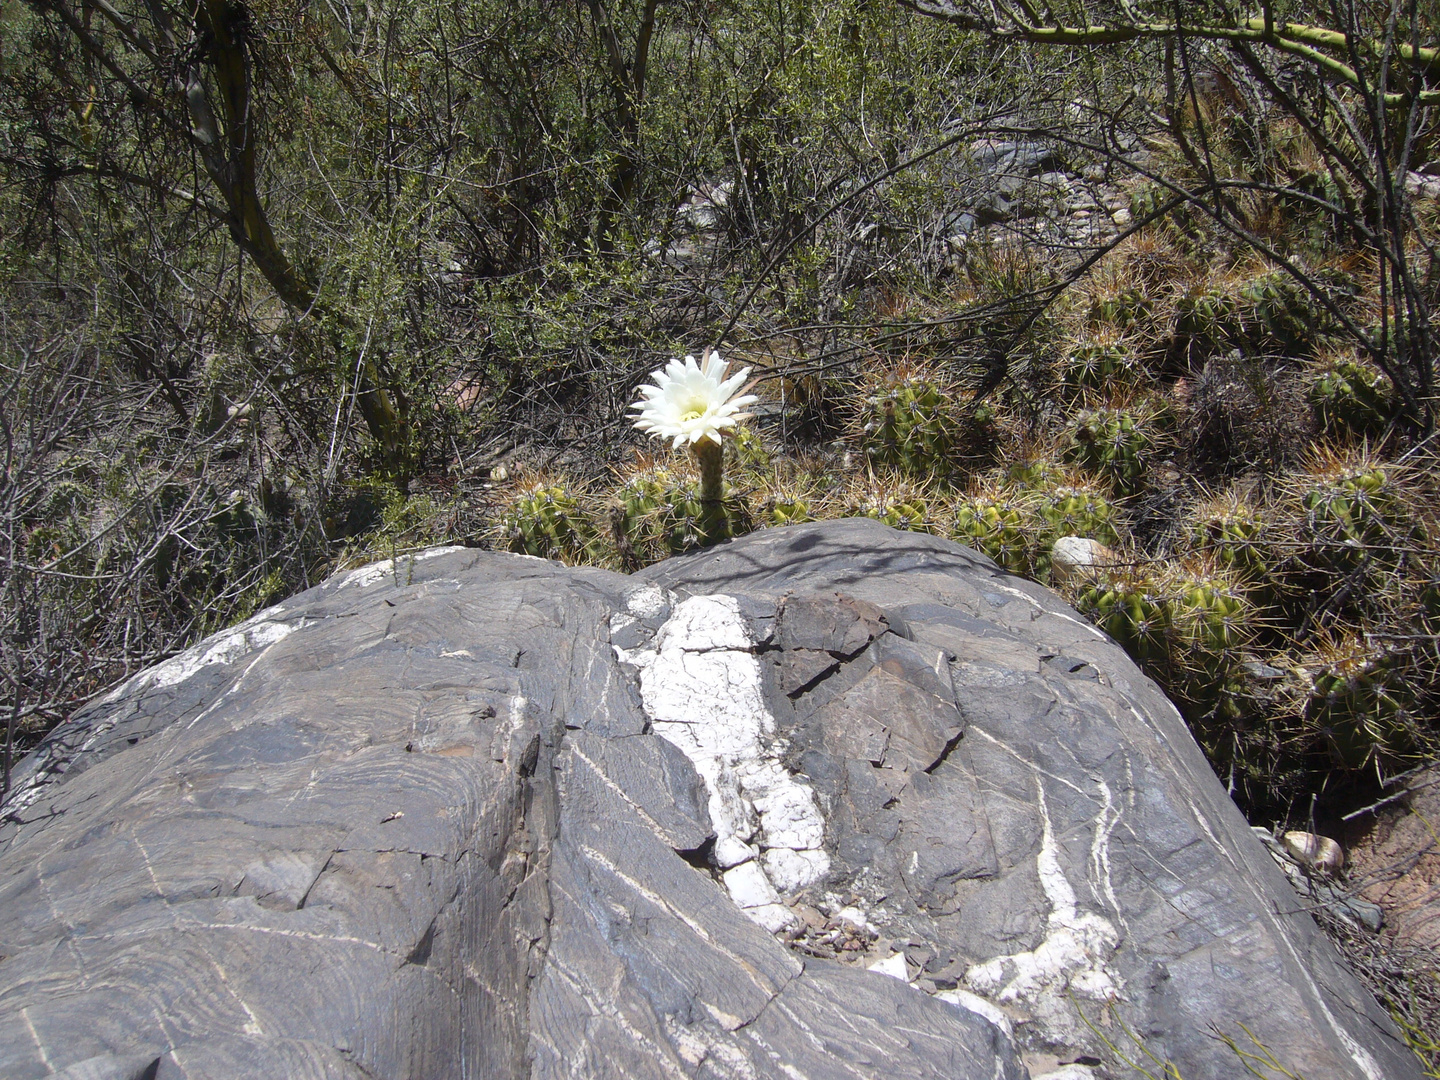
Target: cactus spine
column 1099, row 365
column 1355, row 513
column 1079, row 510
column 1360, row 704
column 891, row 499
column 1233, row 534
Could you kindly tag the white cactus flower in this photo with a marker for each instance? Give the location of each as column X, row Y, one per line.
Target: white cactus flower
column 689, row 402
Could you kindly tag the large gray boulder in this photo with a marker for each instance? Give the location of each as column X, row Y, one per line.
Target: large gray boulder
column 472, row 814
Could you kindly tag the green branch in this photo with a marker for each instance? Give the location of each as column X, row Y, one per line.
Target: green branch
column 1312, row 43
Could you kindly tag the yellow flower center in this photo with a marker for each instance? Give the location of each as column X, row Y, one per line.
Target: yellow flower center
column 695, row 410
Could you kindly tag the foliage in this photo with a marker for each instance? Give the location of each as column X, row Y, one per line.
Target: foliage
column 462, row 233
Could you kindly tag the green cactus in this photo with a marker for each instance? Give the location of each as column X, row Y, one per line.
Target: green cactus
column 1234, row 535
column 1212, row 615
column 1187, row 625
column 1147, row 198
column 1099, row 365
column 547, row 520
column 1283, row 315
column 1075, row 510
column 1115, row 443
column 1271, row 312
column 909, row 423
column 788, row 502
column 1036, row 474
column 1215, row 622
column 1001, row 523
column 67, row 498
column 653, row 512
column 780, row 510
column 1131, row 605
column 1351, row 398
column 907, row 514
column 746, row 455
column 656, row 513
column 1360, row 704
column 1210, row 315
column 1355, row 511
column 897, row 503
column 1119, row 307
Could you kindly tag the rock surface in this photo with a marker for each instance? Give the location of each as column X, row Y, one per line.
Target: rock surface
column 473, row 814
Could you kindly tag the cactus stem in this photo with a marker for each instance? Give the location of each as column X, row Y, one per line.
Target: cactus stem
column 711, row 458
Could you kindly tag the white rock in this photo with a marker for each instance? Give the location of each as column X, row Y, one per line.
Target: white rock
column 703, row 623
column 1318, row 852
column 730, row 851
column 773, row 917
column 378, row 571
column 646, row 602
column 748, row 886
column 701, row 687
column 788, row 814
column 976, row 1004
column 1075, row 951
column 893, row 965
column 790, row 870
column 1071, row 556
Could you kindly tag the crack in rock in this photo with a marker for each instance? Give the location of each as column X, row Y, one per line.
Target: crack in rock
column 701, row 687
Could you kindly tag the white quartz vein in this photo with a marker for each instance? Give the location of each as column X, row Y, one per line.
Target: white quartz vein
column 1072, row 955
column 701, row 687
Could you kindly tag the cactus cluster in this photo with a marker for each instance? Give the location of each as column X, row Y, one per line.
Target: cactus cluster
column 1208, row 314
column 784, row 508
column 999, row 521
column 1360, row 702
column 1280, row 314
column 1079, row 510
column 1036, row 473
column 656, row 513
column 1213, row 615
column 1270, row 312
column 1355, row 513
column 1236, row 535
column 790, row 500
column 546, row 519
column 1187, row 624
column 1099, row 365
column 1351, row 398
column 1268, row 611
column 1129, row 604
column 909, row 422
column 1120, row 307
column 1016, row 516
column 891, row 499
column 1114, row 443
